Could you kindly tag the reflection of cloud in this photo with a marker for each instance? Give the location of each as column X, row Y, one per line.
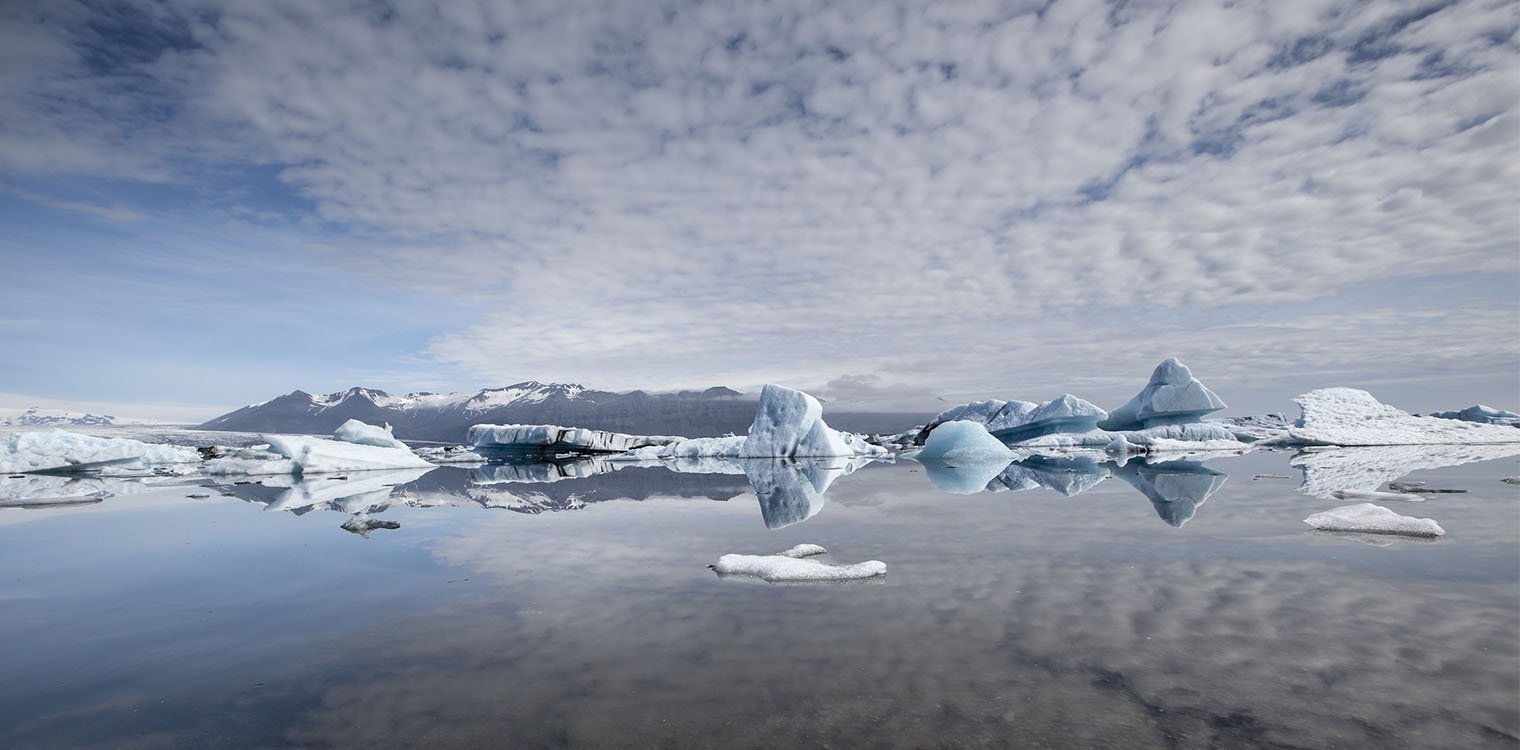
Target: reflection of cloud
column 1368, row 468
column 629, row 649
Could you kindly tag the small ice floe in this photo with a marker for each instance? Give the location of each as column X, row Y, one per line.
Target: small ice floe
column 793, row 565
column 1367, row 518
column 1403, row 497
column 450, row 454
column 362, row 524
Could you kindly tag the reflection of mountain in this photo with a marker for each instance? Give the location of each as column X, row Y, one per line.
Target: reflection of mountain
column 1176, row 488
column 1367, row 468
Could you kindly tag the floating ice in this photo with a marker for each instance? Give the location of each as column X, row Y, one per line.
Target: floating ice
column 1482, row 414
column 1379, row 496
column 1172, row 396
column 1372, row 519
column 1347, row 416
column 994, row 415
column 961, row 443
column 548, row 438
column 1065, row 413
column 792, row 566
column 61, row 451
column 359, row 433
column 789, row 423
column 449, row 454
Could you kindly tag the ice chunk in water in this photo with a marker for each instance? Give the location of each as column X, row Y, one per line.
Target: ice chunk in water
column 961, row 443
column 359, row 433
column 791, row 566
column 1172, row 396
column 1372, row 519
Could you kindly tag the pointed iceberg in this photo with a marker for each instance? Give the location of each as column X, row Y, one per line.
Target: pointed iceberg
column 1173, row 396
column 789, row 423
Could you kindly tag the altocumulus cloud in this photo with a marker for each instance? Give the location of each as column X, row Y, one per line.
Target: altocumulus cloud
column 678, row 194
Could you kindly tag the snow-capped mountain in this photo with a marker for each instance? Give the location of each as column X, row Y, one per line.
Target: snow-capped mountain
column 447, row 416
column 38, row 417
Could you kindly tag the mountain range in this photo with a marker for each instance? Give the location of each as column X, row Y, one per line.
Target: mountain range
column 38, row 417
column 445, row 417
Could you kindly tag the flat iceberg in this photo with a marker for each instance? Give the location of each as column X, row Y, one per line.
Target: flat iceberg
column 1367, row 518
column 359, row 433
column 789, row 423
column 58, row 451
column 1172, row 396
column 963, row 442
column 549, row 438
column 1347, row 416
column 1482, row 414
column 793, row 565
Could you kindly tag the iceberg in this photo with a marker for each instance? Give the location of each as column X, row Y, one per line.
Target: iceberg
column 1367, row 518
column 1172, row 396
column 789, row 423
column 61, row 452
column 794, row 565
column 548, row 438
column 1482, row 414
column 359, row 433
column 963, row 442
column 993, row 414
column 449, row 454
column 1065, row 413
column 1347, row 416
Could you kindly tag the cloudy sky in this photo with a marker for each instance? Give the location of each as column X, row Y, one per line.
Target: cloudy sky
column 887, row 203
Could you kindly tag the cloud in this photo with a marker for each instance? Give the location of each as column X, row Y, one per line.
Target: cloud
column 683, row 194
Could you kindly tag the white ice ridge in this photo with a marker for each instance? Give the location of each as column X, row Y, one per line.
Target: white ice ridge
column 359, row 433
column 1347, row 416
column 792, row 565
column 551, row 437
column 963, row 443
column 1371, row 519
column 302, row 454
column 60, row 450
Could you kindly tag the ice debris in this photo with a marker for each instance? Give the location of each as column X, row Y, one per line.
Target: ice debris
column 362, row 525
column 359, row 433
column 58, row 451
column 1372, row 519
column 1347, row 416
column 1373, row 495
column 1482, row 414
column 1172, row 396
column 793, row 565
column 449, row 454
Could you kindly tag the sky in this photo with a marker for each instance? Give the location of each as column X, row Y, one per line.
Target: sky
column 894, row 205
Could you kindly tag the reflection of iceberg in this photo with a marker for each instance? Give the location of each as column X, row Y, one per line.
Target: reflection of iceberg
column 965, row 479
column 1176, row 488
column 361, row 491
column 791, row 491
column 38, row 489
column 1369, row 467
column 540, row 471
column 1068, row 475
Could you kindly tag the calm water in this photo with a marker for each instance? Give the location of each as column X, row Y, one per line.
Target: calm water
column 1152, row 606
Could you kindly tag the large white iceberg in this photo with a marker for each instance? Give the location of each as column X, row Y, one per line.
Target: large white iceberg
column 60, row 451
column 795, row 565
column 1347, row 416
column 1172, row 396
column 549, row 438
column 789, row 424
column 1372, row 519
column 304, row 454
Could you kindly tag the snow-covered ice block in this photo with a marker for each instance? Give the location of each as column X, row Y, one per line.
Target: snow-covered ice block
column 789, row 423
column 449, row 454
column 1171, row 396
column 1482, row 414
column 804, row 550
column 548, row 438
column 788, row 567
column 1372, row 519
column 962, row 443
column 52, row 450
column 359, row 433
column 314, row 455
column 1348, row 416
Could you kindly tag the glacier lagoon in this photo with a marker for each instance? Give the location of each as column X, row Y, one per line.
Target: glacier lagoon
column 1083, row 601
